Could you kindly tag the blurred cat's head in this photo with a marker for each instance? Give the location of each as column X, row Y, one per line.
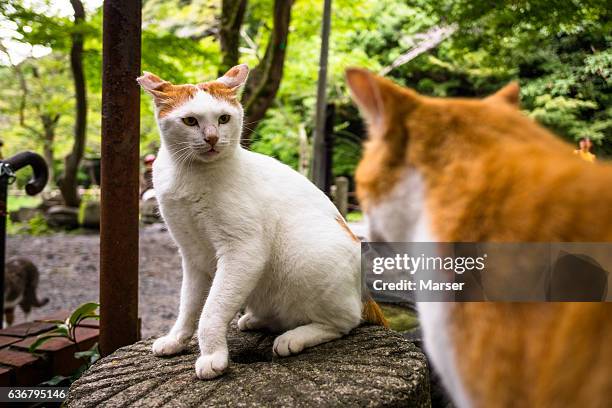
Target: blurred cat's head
column 409, row 130
column 202, row 121
column 426, row 157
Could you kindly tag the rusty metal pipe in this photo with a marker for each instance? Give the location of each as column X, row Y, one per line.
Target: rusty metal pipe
column 120, row 167
column 40, row 171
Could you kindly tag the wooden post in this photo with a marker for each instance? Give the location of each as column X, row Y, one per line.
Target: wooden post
column 341, row 195
column 120, row 167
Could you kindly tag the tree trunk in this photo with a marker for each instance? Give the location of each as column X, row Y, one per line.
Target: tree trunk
column 264, row 80
column 69, row 184
column 232, row 15
column 49, row 124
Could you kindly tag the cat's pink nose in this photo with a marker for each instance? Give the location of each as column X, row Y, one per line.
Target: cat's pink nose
column 211, row 140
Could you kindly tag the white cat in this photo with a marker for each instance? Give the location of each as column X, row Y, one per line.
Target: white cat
column 252, row 232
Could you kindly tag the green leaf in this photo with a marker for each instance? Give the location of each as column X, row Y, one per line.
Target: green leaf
column 84, row 354
column 61, row 329
column 53, row 321
column 93, row 354
column 82, row 312
column 40, row 340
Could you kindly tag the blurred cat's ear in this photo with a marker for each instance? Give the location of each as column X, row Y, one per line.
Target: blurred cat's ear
column 153, row 84
column 509, row 94
column 366, row 92
column 379, row 99
column 235, row 77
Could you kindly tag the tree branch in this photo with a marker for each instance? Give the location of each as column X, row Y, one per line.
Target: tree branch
column 209, row 32
column 424, row 42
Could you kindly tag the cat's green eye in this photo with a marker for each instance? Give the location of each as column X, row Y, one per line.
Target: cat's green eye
column 190, row 121
column 223, row 119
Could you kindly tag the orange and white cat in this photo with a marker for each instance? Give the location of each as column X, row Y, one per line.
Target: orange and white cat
column 253, row 233
column 437, row 169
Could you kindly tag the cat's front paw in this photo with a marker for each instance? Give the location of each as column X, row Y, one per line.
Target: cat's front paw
column 209, row 366
column 168, row 346
column 287, row 344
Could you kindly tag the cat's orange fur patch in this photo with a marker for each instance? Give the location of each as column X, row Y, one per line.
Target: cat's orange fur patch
column 169, row 97
column 346, row 228
column 383, row 158
column 173, row 96
column 492, row 174
column 372, row 313
column 221, row 91
column 534, row 355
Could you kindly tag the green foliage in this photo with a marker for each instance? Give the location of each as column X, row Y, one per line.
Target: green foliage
column 38, row 226
column 559, row 51
column 89, row 195
column 35, row 226
column 67, row 330
column 15, row 202
column 278, row 136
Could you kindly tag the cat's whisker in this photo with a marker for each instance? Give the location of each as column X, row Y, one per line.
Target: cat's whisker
column 180, row 161
column 183, row 147
column 185, row 157
column 192, row 159
column 181, row 151
column 179, row 145
column 179, row 154
column 254, row 132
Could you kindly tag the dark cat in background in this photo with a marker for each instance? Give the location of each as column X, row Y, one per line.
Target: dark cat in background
column 20, row 283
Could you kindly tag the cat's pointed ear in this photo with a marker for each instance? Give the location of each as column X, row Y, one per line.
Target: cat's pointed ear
column 509, row 94
column 366, row 92
column 235, row 77
column 378, row 99
column 153, row 85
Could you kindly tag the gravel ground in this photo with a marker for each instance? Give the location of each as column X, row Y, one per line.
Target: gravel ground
column 68, row 265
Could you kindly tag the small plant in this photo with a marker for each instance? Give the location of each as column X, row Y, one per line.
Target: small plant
column 34, row 226
column 67, row 329
column 38, row 225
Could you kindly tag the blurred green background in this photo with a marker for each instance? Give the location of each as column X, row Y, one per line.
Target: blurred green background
column 559, row 51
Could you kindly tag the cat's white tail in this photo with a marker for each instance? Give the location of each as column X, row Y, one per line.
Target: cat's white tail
column 372, row 313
